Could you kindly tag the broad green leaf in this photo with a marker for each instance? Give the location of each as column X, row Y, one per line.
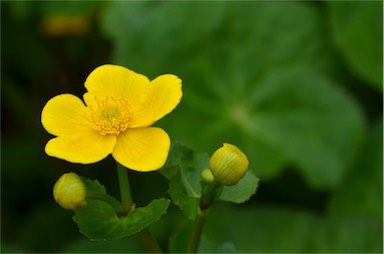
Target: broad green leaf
column 361, row 191
column 99, row 221
column 300, row 117
column 256, row 74
column 313, row 122
column 128, row 16
column 357, row 31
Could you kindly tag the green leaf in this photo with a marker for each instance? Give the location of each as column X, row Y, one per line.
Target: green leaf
column 190, row 164
column 242, row 191
column 121, row 16
column 291, row 117
column 257, row 75
column 99, row 221
column 183, row 169
column 310, row 120
column 357, row 30
column 180, row 197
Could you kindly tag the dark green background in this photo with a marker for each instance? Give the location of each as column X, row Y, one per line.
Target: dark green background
column 296, row 85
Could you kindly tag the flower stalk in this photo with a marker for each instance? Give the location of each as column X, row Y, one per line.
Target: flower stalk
column 125, row 190
column 227, row 166
column 197, row 230
column 149, row 241
column 209, row 195
column 211, row 191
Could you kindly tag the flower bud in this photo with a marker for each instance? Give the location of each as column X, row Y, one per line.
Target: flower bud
column 69, row 191
column 206, row 176
column 228, row 164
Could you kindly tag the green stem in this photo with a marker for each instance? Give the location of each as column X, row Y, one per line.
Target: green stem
column 197, row 230
column 209, row 194
column 149, row 242
column 125, row 190
column 106, row 198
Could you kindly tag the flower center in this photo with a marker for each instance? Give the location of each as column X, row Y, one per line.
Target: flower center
column 110, row 116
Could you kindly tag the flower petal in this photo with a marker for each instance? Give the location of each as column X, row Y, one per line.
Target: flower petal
column 142, row 149
column 65, row 115
column 117, row 82
column 163, row 96
column 86, row 147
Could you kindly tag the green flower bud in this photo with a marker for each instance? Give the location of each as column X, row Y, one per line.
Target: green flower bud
column 206, row 176
column 228, row 164
column 69, row 191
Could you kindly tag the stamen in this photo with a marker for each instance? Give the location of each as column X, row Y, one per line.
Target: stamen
column 111, row 115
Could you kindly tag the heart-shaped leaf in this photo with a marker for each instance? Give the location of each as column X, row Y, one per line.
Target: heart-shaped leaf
column 258, row 74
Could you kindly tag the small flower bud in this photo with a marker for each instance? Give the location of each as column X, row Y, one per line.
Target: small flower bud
column 69, row 191
column 228, row 164
column 206, row 176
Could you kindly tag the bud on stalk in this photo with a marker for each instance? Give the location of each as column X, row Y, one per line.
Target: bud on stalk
column 69, row 191
column 228, row 164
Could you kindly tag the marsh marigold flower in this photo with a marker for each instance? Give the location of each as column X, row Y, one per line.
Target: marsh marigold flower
column 120, row 106
column 70, row 192
column 228, row 164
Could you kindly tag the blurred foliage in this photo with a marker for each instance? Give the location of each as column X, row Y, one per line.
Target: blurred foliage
column 358, row 35
column 266, row 88
column 296, row 85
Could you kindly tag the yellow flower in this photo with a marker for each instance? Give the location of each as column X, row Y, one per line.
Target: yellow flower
column 228, row 164
column 70, row 192
column 120, row 106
